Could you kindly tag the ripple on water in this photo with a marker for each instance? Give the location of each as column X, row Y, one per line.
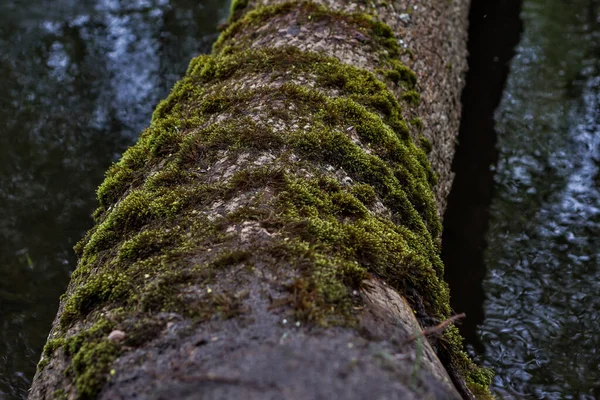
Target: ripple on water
column 543, row 286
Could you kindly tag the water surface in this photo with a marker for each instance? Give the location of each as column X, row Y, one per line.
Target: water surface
column 78, row 82
column 542, row 314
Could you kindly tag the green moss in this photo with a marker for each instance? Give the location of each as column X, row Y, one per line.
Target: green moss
column 478, row 379
column 91, row 365
column 400, row 74
column 129, row 215
column 231, row 258
column 52, row 345
column 285, row 59
column 251, row 19
column 320, row 295
column 236, row 10
column 425, row 144
column 360, row 86
column 340, row 222
column 121, row 173
column 59, row 394
column 146, row 244
column 154, row 241
column 99, row 288
column 417, row 123
column 49, row 348
column 311, row 12
column 393, row 172
column 92, row 355
column 412, row 97
column 364, row 193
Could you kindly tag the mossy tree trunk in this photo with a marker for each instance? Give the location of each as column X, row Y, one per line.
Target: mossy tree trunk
column 275, row 231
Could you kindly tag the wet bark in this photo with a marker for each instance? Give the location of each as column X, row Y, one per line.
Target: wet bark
column 275, row 231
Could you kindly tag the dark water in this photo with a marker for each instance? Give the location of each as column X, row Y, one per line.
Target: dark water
column 531, row 285
column 78, row 82
column 542, row 324
column 494, row 32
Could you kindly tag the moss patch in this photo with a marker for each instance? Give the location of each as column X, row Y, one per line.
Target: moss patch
column 308, row 12
column 400, row 74
column 341, row 151
column 477, row 379
column 92, row 354
column 237, row 9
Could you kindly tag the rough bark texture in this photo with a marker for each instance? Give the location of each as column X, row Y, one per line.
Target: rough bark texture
column 274, row 233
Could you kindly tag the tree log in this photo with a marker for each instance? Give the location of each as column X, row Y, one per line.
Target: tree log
column 275, row 231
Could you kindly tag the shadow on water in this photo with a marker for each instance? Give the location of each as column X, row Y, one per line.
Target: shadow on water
column 494, row 31
column 78, row 82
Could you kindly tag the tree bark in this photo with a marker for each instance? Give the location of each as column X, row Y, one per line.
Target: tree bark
column 275, row 231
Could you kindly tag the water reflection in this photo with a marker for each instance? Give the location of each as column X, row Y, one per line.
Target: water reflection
column 542, row 313
column 78, row 81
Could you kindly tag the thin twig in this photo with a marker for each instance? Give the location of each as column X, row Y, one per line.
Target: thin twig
column 436, row 329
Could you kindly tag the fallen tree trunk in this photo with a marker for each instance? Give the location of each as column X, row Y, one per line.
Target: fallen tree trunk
column 275, row 231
